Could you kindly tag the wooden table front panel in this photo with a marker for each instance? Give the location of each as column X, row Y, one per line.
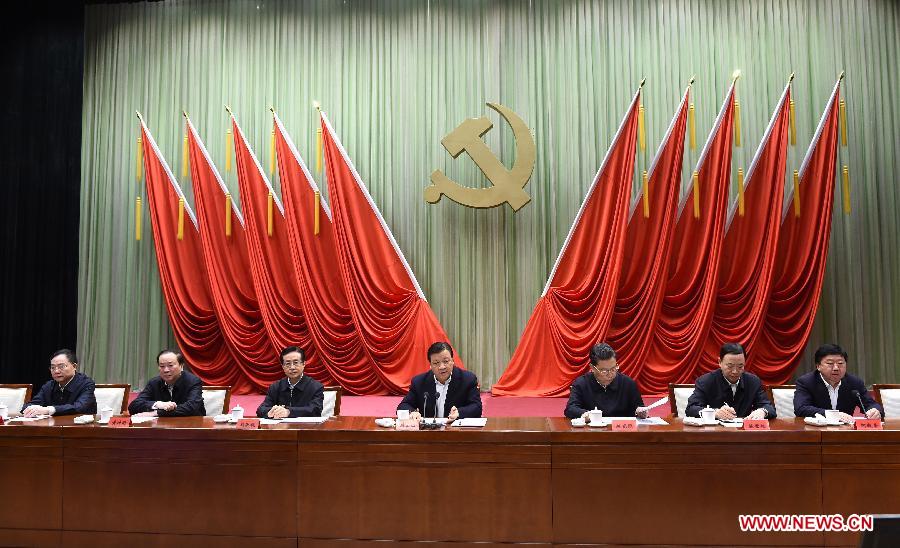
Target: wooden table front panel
column 31, row 481
column 652, row 486
column 359, row 482
column 184, row 476
column 860, row 474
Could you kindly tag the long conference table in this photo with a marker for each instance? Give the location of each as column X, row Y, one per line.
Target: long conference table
column 518, row 480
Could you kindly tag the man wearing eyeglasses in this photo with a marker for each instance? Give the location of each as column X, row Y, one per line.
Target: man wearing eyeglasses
column 296, row 395
column 730, row 390
column 444, row 391
column 831, row 387
column 174, row 393
column 69, row 393
column 604, row 388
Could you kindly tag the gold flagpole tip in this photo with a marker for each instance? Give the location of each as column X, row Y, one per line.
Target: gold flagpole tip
column 185, row 114
column 735, row 75
column 228, row 110
column 642, row 83
column 791, row 79
column 317, row 105
column 272, row 110
column 691, row 82
column 841, row 77
column 138, row 114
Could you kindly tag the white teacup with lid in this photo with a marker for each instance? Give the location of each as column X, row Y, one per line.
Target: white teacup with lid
column 237, row 413
column 708, row 415
column 106, row 413
column 596, row 415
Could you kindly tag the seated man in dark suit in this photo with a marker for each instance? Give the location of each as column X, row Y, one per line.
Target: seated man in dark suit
column 70, row 392
column 830, row 387
column 296, row 395
column 730, row 390
column 445, row 391
column 174, row 393
column 603, row 388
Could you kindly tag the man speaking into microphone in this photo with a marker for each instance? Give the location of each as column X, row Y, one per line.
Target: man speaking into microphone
column 830, row 387
column 445, row 391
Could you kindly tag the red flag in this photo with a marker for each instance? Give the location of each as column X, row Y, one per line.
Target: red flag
column 748, row 254
column 389, row 309
column 274, row 275
column 340, row 345
column 800, row 259
column 575, row 310
column 181, row 273
column 228, row 273
column 690, row 293
column 648, row 241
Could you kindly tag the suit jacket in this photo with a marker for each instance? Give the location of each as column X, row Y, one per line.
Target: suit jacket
column 462, row 393
column 305, row 401
column 76, row 398
column 620, row 399
column 187, row 393
column 811, row 395
column 712, row 389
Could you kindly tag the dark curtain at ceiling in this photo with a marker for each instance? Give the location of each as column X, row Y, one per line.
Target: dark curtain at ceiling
column 42, row 65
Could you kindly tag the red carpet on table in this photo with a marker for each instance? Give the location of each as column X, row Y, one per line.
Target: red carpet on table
column 502, row 406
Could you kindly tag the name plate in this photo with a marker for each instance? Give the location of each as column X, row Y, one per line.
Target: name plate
column 407, row 424
column 624, row 426
column 248, row 424
column 867, row 424
column 119, row 422
column 756, row 424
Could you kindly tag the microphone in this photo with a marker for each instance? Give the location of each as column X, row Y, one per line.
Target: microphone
column 425, row 407
column 862, row 406
column 435, row 408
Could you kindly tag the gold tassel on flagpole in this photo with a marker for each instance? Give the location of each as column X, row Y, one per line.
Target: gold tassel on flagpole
column 139, row 168
column 272, row 153
column 180, row 218
column 737, row 123
column 641, row 137
column 793, row 117
column 843, row 121
column 696, row 195
column 228, row 215
column 316, row 213
column 646, row 184
column 228, row 151
column 846, row 189
column 796, row 193
column 692, row 129
column 184, row 157
column 319, row 149
column 137, row 218
column 270, row 221
column 740, row 192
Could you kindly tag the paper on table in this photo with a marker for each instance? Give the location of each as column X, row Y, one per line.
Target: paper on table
column 138, row 420
column 477, row 422
column 652, row 421
column 269, row 421
column 664, row 400
column 29, row 419
column 306, row 420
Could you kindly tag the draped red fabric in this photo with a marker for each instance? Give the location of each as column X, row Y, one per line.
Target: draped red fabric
column 229, row 276
column 274, row 275
column 800, row 258
column 190, row 308
column 690, row 293
column 334, row 335
column 576, row 308
column 748, row 254
column 645, row 259
column 388, row 307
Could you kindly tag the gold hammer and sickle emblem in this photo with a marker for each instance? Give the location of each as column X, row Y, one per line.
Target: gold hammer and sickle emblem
column 507, row 184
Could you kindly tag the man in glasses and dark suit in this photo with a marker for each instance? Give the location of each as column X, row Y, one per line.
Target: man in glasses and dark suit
column 603, row 387
column 444, row 391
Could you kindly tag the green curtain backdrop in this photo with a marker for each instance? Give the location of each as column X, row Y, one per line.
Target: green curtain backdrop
column 396, row 76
